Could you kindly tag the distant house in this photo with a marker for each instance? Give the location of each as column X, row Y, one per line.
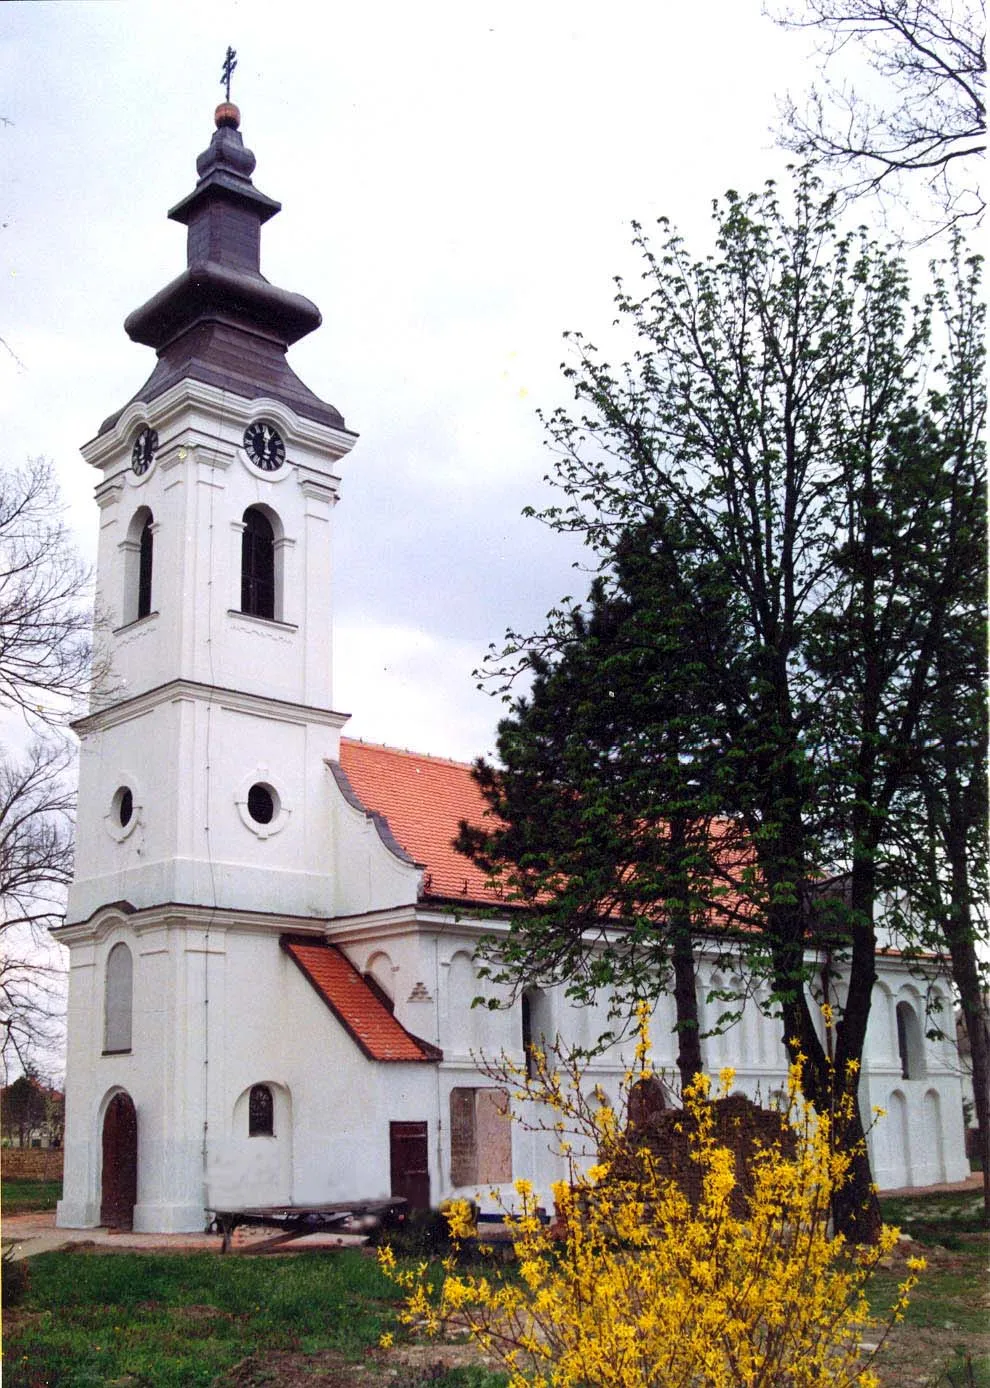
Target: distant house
column 32, row 1114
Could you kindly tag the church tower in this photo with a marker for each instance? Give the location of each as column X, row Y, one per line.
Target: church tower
column 204, row 798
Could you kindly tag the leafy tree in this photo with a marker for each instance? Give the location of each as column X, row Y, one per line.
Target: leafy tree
column 785, row 406
column 926, row 115
column 609, row 789
column 22, row 1107
column 937, row 862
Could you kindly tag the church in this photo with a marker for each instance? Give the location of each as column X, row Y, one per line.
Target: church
column 271, row 938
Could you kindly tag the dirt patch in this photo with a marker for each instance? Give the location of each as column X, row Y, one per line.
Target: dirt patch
column 911, row 1357
column 405, row 1366
column 285, row 1369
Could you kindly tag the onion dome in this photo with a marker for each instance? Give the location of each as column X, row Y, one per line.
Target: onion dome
column 221, row 321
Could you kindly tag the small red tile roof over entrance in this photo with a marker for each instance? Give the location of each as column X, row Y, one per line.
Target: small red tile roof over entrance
column 355, row 1004
column 423, row 799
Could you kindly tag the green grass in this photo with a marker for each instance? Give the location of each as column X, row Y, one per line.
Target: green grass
column 940, row 1218
column 949, row 1298
column 167, row 1321
column 176, row 1320
column 24, row 1197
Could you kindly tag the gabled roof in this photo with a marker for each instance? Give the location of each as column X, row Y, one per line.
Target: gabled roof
column 422, row 799
column 356, row 1005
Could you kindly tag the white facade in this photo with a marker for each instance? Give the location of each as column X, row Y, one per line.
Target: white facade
column 200, row 704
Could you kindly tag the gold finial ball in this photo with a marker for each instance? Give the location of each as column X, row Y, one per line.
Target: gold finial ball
column 227, row 114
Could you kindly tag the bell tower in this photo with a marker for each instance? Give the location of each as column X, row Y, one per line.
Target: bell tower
column 216, row 496
column 203, row 795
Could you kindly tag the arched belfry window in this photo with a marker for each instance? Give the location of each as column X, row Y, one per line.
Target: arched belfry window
column 118, row 1001
column 910, row 1043
column 258, row 565
column 145, row 557
column 261, row 1112
column 138, row 550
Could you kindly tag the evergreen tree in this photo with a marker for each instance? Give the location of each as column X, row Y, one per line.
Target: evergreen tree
column 799, row 423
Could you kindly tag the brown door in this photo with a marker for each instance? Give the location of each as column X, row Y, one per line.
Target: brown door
column 409, row 1163
column 119, row 1163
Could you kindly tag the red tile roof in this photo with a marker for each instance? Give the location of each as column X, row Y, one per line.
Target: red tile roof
column 423, row 799
column 355, row 1004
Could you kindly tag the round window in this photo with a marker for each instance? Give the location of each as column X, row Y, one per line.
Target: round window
column 123, row 805
column 261, row 803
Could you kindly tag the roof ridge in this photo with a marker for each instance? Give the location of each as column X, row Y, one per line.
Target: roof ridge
column 407, row 752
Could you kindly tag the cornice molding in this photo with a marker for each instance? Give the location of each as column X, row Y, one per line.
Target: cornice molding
column 172, row 916
column 164, row 412
column 237, row 700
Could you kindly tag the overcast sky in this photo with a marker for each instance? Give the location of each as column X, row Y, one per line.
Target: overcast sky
column 457, row 182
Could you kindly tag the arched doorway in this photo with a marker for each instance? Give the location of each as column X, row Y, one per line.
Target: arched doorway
column 119, row 1163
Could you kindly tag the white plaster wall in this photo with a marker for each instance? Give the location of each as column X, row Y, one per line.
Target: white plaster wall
column 367, row 875
column 162, row 1073
column 190, row 761
column 219, row 1007
column 197, row 489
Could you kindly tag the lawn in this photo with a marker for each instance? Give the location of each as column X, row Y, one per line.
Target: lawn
column 161, row 1321
column 174, row 1321
column 945, row 1336
column 24, row 1197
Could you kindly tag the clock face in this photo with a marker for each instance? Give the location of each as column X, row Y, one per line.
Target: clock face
column 145, row 446
column 263, row 445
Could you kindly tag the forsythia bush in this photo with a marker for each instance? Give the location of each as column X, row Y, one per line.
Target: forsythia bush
column 634, row 1286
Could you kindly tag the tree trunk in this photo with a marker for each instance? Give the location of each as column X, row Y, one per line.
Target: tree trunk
column 689, row 1062
column 855, row 1206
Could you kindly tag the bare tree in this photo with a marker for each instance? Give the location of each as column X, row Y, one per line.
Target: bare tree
column 925, row 116
column 36, row 824
column 46, row 626
column 46, row 620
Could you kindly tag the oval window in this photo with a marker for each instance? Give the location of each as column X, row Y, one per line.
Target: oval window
column 261, row 803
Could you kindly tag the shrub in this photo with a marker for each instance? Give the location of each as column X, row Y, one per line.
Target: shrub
column 645, row 1281
column 420, row 1233
column 15, row 1277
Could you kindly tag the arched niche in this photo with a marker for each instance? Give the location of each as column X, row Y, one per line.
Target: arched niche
column 379, row 972
column 463, row 1020
column 255, row 1167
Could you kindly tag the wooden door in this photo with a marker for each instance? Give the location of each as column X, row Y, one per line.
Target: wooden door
column 119, row 1163
column 409, row 1162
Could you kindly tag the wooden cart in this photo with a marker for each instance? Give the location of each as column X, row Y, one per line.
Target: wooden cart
column 296, row 1221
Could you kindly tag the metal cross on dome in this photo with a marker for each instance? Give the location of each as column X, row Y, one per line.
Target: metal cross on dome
column 229, row 63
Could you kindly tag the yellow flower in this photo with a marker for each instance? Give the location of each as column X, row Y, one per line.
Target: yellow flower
column 638, row 1285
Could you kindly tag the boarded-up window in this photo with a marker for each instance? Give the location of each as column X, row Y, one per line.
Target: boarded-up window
column 118, row 1000
column 480, row 1137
